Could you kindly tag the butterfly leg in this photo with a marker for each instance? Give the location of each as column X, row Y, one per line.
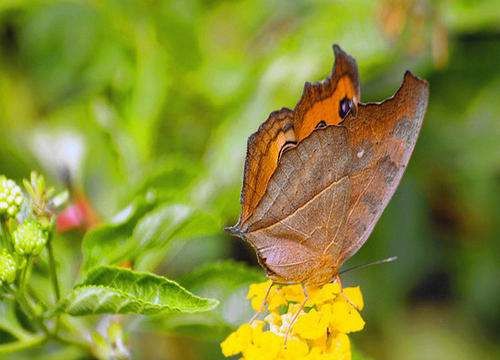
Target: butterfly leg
column 263, row 305
column 296, row 315
column 337, row 278
column 348, row 301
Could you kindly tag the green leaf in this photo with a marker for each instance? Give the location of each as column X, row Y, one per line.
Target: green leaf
column 110, row 243
column 170, row 178
column 227, row 281
column 158, row 228
column 109, row 290
column 224, row 275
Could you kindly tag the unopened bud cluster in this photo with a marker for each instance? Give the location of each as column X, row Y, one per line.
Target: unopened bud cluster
column 11, row 197
column 29, row 238
column 8, row 267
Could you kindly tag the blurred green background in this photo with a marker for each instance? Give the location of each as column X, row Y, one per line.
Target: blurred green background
column 134, row 96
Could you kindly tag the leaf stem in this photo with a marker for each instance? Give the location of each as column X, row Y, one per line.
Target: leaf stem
column 22, row 299
column 52, row 265
column 22, row 344
column 5, row 234
column 30, row 311
column 73, row 341
column 16, row 331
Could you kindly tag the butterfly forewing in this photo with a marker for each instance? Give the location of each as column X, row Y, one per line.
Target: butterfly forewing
column 263, row 151
column 321, row 103
column 328, row 102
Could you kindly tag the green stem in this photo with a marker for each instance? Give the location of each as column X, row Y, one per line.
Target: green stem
column 73, row 335
column 16, row 331
column 30, row 312
column 73, row 341
column 24, row 302
column 22, row 344
column 52, row 265
column 24, row 274
column 5, row 234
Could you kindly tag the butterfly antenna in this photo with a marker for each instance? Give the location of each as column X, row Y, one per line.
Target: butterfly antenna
column 362, row 266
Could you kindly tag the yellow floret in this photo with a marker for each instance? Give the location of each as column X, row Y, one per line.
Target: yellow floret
column 257, row 293
column 345, row 318
column 323, row 294
column 266, row 346
column 319, row 332
column 340, row 347
column 296, row 349
column 311, row 325
column 293, row 293
column 355, row 297
column 237, row 341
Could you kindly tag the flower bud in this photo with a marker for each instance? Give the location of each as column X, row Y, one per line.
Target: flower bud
column 29, row 238
column 8, row 267
column 11, row 197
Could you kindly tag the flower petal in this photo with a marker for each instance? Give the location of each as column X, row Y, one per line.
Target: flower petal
column 237, row 341
column 311, row 325
column 345, row 318
column 323, row 294
column 340, row 347
column 295, row 349
column 355, row 297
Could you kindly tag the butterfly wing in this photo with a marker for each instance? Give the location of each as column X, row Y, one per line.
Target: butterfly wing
column 263, row 151
column 381, row 139
column 328, row 102
column 326, row 194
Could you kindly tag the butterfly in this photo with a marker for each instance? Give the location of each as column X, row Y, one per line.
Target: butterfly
column 317, row 178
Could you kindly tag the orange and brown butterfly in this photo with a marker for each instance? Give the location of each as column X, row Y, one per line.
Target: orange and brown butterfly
column 318, row 177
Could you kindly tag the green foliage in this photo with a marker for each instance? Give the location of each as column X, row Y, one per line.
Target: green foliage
column 138, row 230
column 108, row 290
column 144, row 236
column 226, row 281
column 110, row 243
column 146, row 106
column 9, row 321
column 155, row 231
column 226, row 275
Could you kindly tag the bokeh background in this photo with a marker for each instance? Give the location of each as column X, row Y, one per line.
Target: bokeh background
column 122, row 97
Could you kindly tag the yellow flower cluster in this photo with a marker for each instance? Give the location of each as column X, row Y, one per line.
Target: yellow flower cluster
column 318, row 333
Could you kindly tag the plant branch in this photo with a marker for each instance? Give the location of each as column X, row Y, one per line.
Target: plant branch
column 30, row 312
column 22, row 344
column 52, row 265
column 5, row 234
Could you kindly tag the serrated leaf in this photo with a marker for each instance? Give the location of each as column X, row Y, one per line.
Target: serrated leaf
column 110, row 290
column 227, row 281
column 111, row 243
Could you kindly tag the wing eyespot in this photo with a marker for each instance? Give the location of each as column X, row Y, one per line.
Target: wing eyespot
column 345, row 107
